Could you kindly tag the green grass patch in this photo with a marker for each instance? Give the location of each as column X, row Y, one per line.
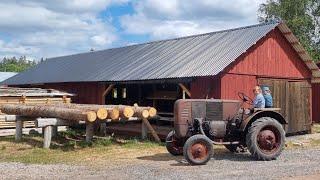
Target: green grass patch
column 70, row 148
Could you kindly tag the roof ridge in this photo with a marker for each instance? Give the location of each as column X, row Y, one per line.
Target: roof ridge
column 177, row 38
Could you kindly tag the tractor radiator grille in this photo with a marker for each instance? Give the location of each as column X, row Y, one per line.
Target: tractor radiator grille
column 214, row 111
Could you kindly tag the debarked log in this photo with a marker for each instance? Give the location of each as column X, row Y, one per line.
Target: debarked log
column 49, row 111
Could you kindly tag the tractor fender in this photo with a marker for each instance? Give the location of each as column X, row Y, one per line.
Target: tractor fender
column 275, row 115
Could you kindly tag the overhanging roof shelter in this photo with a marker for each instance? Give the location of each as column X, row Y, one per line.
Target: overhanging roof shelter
column 186, row 57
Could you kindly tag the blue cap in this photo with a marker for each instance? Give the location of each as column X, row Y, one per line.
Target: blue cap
column 265, row 88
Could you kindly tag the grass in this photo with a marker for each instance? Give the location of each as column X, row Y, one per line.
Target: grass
column 70, row 148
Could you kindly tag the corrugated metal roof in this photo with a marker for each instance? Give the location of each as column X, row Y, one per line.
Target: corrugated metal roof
column 6, row 75
column 198, row 55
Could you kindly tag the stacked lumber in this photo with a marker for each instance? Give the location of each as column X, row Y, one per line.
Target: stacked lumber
column 9, row 125
column 12, row 95
column 79, row 112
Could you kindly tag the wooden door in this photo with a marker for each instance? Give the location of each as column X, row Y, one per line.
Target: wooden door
column 299, row 103
column 293, row 97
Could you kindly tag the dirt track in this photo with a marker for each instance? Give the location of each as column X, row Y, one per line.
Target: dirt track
column 224, row 165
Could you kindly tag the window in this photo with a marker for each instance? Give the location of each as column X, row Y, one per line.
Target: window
column 114, row 93
column 124, row 93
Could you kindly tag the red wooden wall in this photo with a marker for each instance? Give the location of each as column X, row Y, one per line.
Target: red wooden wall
column 271, row 57
column 87, row 92
column 205, row 86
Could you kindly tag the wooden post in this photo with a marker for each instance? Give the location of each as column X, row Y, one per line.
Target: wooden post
column 185, row 89
column 47, row 135
column 144, row 131
column 19, row 126
column 89, row 131
column 150, row 128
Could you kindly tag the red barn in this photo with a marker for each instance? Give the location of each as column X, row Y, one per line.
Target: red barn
column 213, row 65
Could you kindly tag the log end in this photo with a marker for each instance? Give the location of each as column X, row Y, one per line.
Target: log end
column 145, row 114
column 152, row 112
column 91, row 116
column 114, row 114
column 102, row 113
column 128, row 112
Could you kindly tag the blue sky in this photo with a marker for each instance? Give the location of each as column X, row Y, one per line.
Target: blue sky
column 52, row 28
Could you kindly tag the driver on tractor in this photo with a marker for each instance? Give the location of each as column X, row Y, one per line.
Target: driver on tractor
column 259, row 101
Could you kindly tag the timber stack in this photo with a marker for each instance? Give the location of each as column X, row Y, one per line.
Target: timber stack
column 79, row 112
column 13, row 95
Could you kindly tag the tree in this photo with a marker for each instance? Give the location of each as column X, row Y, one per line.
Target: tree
column 16, row 65
column 302, row 17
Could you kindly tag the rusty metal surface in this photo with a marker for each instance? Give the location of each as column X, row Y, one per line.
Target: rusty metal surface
column 212, row 110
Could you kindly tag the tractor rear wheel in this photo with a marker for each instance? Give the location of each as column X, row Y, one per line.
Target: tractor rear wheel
column 172, row 145
column 198, row 150
column 265, row 139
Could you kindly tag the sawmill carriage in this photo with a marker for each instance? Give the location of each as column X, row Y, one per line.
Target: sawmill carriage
column 201, row 123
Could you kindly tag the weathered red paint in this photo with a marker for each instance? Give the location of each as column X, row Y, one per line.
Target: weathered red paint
column 86, row 92
column 272, row 56
column 231, row 84
column 205, row 87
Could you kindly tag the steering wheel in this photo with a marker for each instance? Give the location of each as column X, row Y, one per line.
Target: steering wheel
column 245, row 98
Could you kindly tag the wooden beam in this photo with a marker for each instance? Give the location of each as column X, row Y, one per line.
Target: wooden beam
column 150, row 128
column 301, row 52
column 185, row 89
column 294, row 42
column 287, row 33
column 109, row 88
column 43, row 122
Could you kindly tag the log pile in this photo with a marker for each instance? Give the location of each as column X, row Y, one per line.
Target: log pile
column 79, row 112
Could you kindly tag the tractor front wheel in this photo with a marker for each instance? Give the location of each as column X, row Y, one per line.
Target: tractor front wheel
column 198, row 150
column 265, row 139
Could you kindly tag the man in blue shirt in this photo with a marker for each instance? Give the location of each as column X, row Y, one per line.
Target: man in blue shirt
column 267, row 96
column 259, row 101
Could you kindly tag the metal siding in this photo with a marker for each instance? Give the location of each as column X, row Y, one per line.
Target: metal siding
column 193, row 56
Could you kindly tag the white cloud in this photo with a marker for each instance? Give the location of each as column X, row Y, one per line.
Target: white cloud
column 59, row 27
column 53, row 28
column 172, row 18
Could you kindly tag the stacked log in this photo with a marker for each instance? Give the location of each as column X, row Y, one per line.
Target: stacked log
column 49, row 111
column 80, row 112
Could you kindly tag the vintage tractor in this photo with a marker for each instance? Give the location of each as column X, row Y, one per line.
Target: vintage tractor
column 201, row 123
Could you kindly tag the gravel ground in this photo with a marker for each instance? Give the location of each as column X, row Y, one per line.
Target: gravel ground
column 292, row 163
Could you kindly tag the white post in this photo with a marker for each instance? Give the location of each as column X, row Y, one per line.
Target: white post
column 183, row 94
column 47, row 136
column 19, row 126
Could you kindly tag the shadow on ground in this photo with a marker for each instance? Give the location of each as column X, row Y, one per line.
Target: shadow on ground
column 180, row 161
